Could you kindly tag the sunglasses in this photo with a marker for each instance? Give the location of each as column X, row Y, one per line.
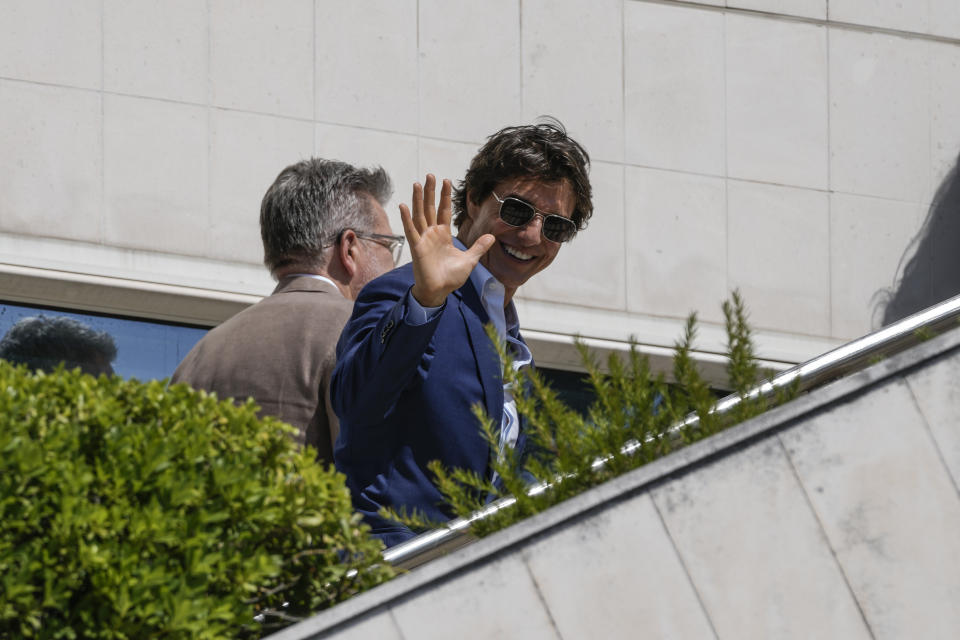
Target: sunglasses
column 517, row 213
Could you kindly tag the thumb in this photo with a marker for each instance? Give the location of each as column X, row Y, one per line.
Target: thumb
column 481, row 246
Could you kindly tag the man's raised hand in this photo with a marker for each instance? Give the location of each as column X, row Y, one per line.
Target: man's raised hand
column 439, row 267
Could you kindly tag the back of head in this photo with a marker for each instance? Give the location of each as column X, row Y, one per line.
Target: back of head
column 44, row 342
column 542, row 152
column 310, row 203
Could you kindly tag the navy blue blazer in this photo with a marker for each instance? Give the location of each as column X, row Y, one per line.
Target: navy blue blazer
column 404, row 395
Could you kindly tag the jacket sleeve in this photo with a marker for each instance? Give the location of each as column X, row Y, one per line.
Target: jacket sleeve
column 379, row 354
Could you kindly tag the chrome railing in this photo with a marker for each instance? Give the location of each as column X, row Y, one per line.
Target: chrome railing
column 845, row 359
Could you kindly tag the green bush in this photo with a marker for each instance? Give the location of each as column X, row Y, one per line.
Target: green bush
column 129, row 510
column 636, row 418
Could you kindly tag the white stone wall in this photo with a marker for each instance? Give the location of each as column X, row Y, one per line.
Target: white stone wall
column 787, row 147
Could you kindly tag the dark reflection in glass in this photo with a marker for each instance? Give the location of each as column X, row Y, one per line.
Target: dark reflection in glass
column 144, row 350
column 573, row 388
column 44, row 342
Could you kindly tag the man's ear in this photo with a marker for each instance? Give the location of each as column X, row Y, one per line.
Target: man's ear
column 471, row 215
column 348, row 252
column 471, row 206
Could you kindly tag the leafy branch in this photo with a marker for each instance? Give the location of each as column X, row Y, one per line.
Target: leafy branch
column 636, row 417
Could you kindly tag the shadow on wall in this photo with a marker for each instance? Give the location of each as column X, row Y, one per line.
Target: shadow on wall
column 933, row 272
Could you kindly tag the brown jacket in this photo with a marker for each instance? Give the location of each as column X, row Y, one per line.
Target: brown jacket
column 280, row 352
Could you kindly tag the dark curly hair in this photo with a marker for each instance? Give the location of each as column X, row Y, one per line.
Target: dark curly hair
column 540, row 151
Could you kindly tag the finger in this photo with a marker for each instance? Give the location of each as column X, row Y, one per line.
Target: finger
column 409, row 229
column 445, row 213
column 429, row 199
column 419, row 221
column 480, row 247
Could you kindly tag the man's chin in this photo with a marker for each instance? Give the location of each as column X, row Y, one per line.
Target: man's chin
column 509, row 279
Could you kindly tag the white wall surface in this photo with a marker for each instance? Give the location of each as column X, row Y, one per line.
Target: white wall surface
column 787, row 147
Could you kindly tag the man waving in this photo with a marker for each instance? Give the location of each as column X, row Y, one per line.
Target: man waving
column 414, row 357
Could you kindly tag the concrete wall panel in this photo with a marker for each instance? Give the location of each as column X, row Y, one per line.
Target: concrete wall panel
column 443, row 159
column 755, row 551
column 582, row 85
column 674, row 99
column 676, row 231
column 938, row 17
column 944, row 96
column 380, row 626
column 806, row 8
column 469, row 68
column 51, row 162
column 776, row 101
column 366, row 65
column 869, row 244
column 778, row 252
column 890, row 510
column 498, row 600
column 156, row 48
column 641, row 589
column 155, row 175
column 262, row 56
column 938, row 397
column 944, row 18
column 879, row 116
column 52, row 42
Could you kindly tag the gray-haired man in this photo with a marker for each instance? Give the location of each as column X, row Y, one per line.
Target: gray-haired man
column 325, row 235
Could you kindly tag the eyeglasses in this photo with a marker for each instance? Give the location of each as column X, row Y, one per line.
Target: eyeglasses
column 517, row 213
column 393, row 243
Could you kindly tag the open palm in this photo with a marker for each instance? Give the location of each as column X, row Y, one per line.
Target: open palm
column 439, row 267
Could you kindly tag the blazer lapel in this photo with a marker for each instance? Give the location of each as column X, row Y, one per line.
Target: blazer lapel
column 488, row 364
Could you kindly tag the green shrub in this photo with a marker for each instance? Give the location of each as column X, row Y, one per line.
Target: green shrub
column 129, row 510
column 635, row 419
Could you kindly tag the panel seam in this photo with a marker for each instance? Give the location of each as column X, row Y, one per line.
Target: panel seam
column 823, row 534
column 683, row 565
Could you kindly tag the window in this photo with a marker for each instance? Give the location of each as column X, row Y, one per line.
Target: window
column 144, row 350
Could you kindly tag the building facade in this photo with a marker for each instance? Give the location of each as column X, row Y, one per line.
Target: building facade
column 794, row 149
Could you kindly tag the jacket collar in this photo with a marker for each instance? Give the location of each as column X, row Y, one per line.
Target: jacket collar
column 305, row 283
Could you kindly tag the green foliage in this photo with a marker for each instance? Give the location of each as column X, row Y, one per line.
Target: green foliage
column 636, row 418
column 128, row 510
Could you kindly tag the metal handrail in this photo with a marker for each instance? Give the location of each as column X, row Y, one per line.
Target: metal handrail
column 850, row 357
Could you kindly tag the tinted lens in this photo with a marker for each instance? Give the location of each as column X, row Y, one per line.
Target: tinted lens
column 515, row 213
column 558, row 229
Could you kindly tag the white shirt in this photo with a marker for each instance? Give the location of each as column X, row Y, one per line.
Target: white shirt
column 315, row 276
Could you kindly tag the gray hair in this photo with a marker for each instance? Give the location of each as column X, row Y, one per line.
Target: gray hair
column 43, row 342
column 311, row 203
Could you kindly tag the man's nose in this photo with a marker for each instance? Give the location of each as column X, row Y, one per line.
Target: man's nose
column 530, row 232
